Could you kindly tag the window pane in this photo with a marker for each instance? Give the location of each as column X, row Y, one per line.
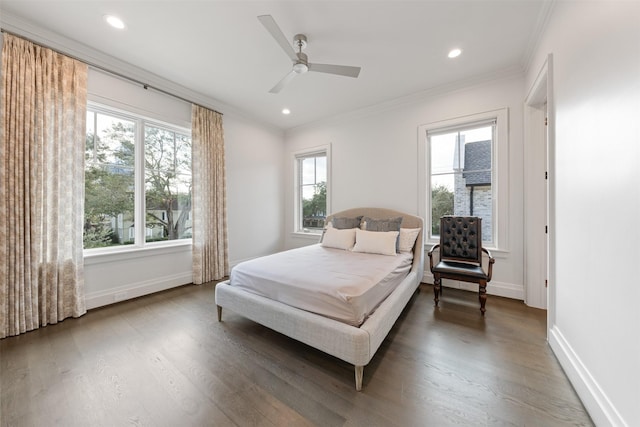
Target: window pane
column 183, row 155
column 478, row 134
column 167, row 185
column 114, row 142
column 308, row 170
column 321, row 169
column 159, row 149
column 313, row 191
column 109, row 181
column 442, row 200
column 461, row 177
column 109, row 204
column 443, row 153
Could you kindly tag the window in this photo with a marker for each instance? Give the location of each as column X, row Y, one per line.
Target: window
column 311, row 190
column 460, row 163
column 137, row 180
column 460, row 175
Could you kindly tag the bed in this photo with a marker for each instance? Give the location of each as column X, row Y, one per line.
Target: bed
column 354, row 343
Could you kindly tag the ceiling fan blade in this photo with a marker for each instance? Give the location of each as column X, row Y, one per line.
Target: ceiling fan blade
column 341, row 70
column 275, row 31
column 282, row 83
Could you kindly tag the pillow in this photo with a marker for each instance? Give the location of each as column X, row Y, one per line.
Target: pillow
column 407, row 239
column 345, row 222
column 391, row 224
column 339, row 239
column 376, row 242
column 324, row 231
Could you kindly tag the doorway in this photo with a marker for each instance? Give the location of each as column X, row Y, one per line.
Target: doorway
column 538, row 189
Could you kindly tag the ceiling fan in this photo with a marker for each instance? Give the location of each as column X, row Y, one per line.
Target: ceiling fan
column 300, row 60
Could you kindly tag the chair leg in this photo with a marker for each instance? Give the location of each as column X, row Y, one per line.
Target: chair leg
column 482, row 296
column 437, row 289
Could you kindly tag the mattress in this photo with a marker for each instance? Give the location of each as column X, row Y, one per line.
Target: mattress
column 342, row 285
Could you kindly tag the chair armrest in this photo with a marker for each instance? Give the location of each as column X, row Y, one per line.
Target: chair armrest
column 430, row 253
column 492, row 260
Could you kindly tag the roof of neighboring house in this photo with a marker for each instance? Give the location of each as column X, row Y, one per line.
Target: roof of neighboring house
column 477, row 157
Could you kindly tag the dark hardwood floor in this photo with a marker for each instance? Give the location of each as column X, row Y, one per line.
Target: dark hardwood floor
column 164, row 360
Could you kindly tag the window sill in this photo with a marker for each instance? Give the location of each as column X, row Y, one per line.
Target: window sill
column 98, row 256
column 309, row 235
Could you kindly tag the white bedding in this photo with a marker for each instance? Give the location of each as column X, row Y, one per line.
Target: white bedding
column 342, row 285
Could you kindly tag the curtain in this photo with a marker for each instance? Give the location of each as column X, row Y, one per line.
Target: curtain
column 210, row 247
column 42, row 139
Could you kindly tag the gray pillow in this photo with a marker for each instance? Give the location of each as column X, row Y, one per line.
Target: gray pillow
column 391, row 224
column 344, row 222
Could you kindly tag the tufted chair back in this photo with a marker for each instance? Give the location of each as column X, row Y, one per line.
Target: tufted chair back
column 461, row 239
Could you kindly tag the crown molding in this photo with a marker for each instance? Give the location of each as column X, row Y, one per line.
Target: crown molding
column 536, row 36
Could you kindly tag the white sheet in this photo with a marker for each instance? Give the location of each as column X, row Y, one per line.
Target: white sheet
column 335, row 283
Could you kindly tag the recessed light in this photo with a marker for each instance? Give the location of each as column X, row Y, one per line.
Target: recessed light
column 454, row 53
column 114, row 21
column 286, row 111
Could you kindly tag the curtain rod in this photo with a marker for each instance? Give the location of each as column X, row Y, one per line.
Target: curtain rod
column 114, row 73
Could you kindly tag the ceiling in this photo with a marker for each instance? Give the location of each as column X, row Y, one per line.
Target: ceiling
column 219, row 48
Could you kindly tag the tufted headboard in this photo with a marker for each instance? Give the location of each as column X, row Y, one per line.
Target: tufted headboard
column 408, row 221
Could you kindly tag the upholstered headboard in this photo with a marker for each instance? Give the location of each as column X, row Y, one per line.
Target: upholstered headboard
column 408, row 221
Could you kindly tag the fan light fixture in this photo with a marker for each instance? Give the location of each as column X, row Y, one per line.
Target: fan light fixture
column 300, row 68
column 300, row 59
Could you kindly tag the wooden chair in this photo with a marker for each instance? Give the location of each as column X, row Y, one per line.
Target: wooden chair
column 461, row 255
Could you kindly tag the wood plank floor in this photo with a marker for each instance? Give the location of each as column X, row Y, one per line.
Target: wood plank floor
column 164, row 360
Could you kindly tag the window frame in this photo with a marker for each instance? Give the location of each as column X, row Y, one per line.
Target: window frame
column 499, row 171
column 140, row 121
column 298, row 230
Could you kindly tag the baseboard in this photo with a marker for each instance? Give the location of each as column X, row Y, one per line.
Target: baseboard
column 134, row 290
column 598, row 405
column 501, row 289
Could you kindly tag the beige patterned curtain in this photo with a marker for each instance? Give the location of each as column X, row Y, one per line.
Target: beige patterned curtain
column 42, row 139
column 210, row 252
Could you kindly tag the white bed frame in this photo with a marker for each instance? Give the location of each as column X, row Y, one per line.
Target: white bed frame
column 355, row 345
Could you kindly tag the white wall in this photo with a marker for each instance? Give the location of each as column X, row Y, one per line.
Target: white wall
column 253, row 155
column 595, row 329
column 375, row 161
column 255, row 193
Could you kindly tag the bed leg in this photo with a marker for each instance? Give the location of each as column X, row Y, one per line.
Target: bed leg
column 359, row 373
column 219, row 313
